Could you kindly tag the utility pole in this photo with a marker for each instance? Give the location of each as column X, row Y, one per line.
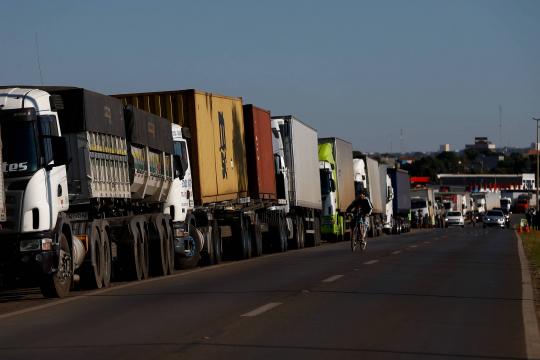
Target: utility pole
column 537, row 165
column 500, row 127
column 401, row 140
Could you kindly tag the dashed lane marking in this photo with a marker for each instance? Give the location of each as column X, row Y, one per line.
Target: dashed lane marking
column 413, row 246
column 370, row 262
column 332, row 278
column 396, row 252
column 261, row 309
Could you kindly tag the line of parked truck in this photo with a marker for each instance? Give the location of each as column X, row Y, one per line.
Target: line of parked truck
column 99, row 188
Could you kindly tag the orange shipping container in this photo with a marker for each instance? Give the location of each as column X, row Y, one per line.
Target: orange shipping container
column 217, row 148
column 260, row 155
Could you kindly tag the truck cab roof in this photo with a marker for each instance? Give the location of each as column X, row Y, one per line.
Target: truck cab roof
column 19, row 98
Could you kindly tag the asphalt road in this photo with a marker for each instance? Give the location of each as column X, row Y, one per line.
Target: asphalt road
column 440, row 294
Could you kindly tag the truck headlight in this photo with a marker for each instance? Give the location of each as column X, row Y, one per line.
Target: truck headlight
column 30, row 245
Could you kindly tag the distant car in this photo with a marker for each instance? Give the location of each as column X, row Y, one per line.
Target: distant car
column 454, row 218
column 494, row 218
column 506, row 215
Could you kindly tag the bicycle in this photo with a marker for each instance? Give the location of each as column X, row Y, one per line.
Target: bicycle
column 358, row 232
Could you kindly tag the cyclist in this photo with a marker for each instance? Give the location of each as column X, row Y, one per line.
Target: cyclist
column 361, row 207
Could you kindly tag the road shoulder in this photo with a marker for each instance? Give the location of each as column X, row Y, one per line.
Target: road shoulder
column 530, row 321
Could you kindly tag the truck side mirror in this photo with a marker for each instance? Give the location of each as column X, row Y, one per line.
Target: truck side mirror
column 59, row 150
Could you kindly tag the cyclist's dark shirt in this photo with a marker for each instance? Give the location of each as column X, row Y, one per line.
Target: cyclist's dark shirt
column 363, row 204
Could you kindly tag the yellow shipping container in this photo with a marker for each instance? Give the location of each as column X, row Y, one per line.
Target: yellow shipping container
column 217, row 148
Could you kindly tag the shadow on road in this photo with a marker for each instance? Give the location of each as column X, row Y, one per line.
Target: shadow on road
column 184, row 345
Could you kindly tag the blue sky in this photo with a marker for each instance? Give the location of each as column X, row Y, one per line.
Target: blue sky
column 360, row 70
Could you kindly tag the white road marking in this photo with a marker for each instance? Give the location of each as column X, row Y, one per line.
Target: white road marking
column 261, row 309
column 396, row 252
column 332, row 278
column 371, row 262
column 530, row 325
column 413, row 246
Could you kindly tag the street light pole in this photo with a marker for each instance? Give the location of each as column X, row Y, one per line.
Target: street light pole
column 537, row 165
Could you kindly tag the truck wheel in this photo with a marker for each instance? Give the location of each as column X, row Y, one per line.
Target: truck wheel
column 317, row 231
column 299, row 236
column 145, row 258
column 192, row 259
column 159, row 247
column 216, row 243
column 107, row 259
column 136, row 255
column 170, row 246
column 256, row 237
column 58, row 283
column 243, row 237
column 302, row 232
column 282, row 240
column 93, row 270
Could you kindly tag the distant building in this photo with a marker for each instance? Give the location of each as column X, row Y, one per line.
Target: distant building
column 445, row 148
column 483, row 182
column 481, row 143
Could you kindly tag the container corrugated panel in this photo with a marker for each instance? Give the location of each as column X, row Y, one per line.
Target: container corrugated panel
column 402, row 195
column 217, row 148
column 259, row 153
column 302, row 159
column 344, row 170
column 374, row 186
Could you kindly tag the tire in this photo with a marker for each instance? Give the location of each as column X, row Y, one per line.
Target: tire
column 282, row 240
column 189, row 262
column 135, row 257
column 256, row 236
column 316, row 231
column 58, row 284
column 107, row 259
column 93, row 270
column 145, row 255
column 217, row 251
column 242, row 238
column 298, row 239
column 157, row 236
column 170, row 243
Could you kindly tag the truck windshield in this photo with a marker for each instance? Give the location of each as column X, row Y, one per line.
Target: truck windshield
column 19, row 147
column 418, row 203
column 325, row 176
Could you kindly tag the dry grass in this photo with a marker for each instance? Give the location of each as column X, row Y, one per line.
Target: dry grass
column 531, row 244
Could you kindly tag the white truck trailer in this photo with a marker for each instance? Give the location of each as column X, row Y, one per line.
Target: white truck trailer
column 297, row 165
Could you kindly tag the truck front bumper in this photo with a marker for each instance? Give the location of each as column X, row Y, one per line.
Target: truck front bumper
column 22, row 255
